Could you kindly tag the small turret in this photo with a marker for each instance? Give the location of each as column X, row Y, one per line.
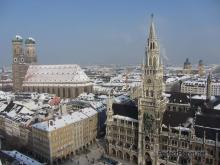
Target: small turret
column 187, row 67
column 109, row 108
column 201, row 70
column 208, row 87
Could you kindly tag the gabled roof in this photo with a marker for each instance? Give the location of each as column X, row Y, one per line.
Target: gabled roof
column 55, row 74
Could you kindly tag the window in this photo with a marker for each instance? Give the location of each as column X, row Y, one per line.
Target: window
column 64, row 92
column 152, row 93
column 150, row 61
column 69, row 92
column 155, row 61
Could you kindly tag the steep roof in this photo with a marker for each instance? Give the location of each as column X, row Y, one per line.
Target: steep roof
column 128, row 109
column 175, row 118
column 70, row 74
column 209, row 121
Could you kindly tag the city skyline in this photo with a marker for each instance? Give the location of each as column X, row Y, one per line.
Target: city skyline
column 111, row 32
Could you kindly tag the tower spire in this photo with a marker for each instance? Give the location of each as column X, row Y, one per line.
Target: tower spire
column 152, row 52
column 152, row 33
column 151, row 105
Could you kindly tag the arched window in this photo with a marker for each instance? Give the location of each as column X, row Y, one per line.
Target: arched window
column 151, row 46
column 150, row 61
column 152, row 93
column 69, row 92
column 64, row 92
column 155, row 61
column 147, row 93
column 58, row 91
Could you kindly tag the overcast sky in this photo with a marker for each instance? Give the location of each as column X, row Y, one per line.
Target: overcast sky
column 111, row 31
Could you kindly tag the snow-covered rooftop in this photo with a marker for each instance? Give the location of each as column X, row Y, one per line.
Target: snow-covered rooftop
column 69, row 74
column 22, row 159
column 202, row 97
column 124, row 118
column 18, row 37
column 32, row 39
column 194, row 83
column 65, row 120
column 217, row 107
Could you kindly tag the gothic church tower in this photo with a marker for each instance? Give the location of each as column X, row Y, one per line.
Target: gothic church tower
column 151, row 103
column 22, row 59
column 30, row 51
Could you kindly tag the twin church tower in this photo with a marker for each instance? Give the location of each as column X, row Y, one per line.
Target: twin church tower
column 24, row 54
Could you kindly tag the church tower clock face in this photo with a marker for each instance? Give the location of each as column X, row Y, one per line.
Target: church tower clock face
column 22, row 60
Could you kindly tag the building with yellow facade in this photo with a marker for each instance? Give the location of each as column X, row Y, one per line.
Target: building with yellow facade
column 64, row 136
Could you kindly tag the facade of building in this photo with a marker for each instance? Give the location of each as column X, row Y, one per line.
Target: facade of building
column 122, row 131
column 194, row 87
column 187, row 130
column 17, row 113
column 66, row 81
column 199, row 86
column 64, row 136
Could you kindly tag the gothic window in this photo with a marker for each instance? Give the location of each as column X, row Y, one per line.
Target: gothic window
column 85, row 90
column 148, row 121
column 147, row 93
column 149, row 81
column 59, row 91
column 77, row 91
column 151, row 46
column 152, row 93
column 147, row 139
column 155, row 61
column 64, row 92
column 69, row 92
column 53, row 90
column 150, row 61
